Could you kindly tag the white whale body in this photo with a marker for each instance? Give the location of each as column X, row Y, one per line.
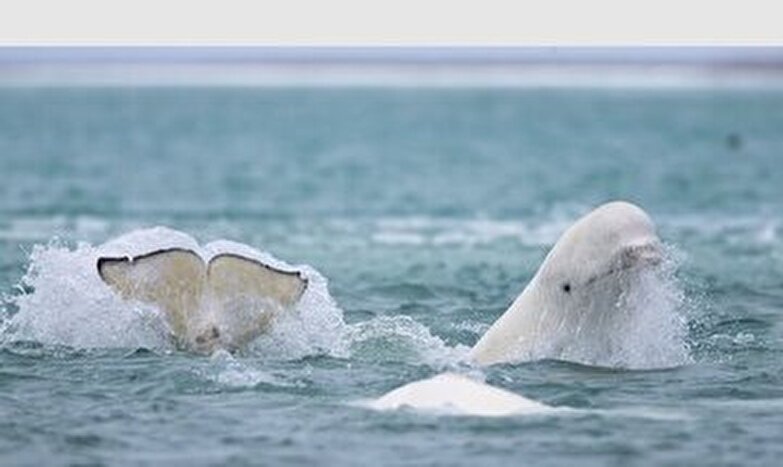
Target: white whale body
column 451, row 393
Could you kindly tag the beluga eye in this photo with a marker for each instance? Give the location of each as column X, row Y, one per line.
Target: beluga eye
column 567, row 287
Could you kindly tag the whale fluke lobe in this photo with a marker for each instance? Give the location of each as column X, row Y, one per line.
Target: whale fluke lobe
column 223, row 303
column 171, row 279
column 230, row 274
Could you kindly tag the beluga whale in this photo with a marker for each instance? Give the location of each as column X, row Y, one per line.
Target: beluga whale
column 575, row 305
column 455, row 394
column 223, row 302
column 574, row 308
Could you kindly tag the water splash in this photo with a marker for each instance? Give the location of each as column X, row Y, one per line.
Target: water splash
column 227, row 371
column 645, row 329
column 401, row 339
column 63, row 301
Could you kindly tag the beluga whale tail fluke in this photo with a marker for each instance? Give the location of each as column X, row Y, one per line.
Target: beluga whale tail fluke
column 573, row 308
column 225, row 302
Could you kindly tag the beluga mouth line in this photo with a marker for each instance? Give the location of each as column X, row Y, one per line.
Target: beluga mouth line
column 633, row 256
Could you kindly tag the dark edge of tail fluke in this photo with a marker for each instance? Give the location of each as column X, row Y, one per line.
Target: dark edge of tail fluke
column 129, row 259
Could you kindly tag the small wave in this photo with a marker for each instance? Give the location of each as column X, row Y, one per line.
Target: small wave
column 401, row 339
column 762, row 406
column 723, row 347
column 41, row 229
column 227, row 371
column 660, row 414
column 740, row 339
column 63, row 301
column 748, row 230
column 457, row 232
column 473, row 327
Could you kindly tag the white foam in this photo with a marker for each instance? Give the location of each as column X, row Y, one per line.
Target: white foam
column 226, row 370
column 438, row 231
column 743, row 229
column 70, row 305
column 742, row 339
column 41, row 229
column 401, row 338
column 661, row 414
column 474, row 327
column 651, row 331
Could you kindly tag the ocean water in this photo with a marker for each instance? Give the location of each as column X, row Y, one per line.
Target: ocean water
column 420, row 213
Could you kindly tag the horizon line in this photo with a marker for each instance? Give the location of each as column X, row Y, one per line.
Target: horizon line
column 401, row 55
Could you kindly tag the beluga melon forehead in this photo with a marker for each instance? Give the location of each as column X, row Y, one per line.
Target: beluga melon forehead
column 611, row 223
column 602, row 234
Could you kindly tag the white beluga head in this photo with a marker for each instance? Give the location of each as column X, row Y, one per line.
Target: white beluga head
column 574, row 306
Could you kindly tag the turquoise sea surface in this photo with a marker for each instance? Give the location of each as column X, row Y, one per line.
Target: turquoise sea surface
column 423, row 212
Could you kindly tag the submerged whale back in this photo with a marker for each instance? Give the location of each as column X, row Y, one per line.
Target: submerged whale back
column 458, row 395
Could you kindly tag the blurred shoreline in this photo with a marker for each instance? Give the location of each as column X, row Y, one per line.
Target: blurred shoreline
column 655, row 67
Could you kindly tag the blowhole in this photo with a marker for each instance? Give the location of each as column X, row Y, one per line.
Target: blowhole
column 567, row 287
